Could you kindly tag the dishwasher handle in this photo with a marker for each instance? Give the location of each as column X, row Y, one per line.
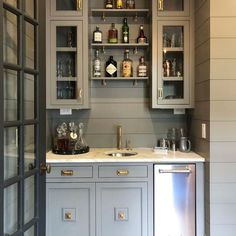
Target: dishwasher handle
column 175, row 171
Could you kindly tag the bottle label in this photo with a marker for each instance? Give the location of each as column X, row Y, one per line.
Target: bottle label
column 142, row 71
column 126, row 69
column 97, row 37
column 142, row 40
column 125, row 37
column 111, row 69
column 109, row 6
column 97, row 68
column 113, row 40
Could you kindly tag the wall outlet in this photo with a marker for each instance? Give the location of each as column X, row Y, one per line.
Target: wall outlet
column 204, row 130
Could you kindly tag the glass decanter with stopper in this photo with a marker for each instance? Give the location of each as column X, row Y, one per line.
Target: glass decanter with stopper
column 81, row 144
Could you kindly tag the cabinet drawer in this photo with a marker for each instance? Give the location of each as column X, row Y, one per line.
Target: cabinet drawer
column 120, row 171
column 71, row 172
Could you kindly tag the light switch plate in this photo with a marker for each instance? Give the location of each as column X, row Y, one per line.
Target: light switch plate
column 65, row 111
column 204, row 130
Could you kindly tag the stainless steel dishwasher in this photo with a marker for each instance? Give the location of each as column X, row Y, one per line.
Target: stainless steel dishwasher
column 174, row 200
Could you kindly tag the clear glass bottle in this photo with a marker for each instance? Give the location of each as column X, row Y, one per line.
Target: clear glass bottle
column 125, row 31
column 113, row 34
column 109, row 4
column 97, row 35
column 142, row 68
column 130, row 4
column 97, row 65
column 141, row 38
column 111, row 68
column 127, row 65
column 119, row 4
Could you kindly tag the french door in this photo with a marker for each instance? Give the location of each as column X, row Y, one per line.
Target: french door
column 22, row 119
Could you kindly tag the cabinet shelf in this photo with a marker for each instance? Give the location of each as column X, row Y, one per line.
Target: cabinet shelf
column 66, row 49
column 119, row 45
column 117, row 12
column 66, row 79
column 173, row 49
column 173, row 78
column 119, row 78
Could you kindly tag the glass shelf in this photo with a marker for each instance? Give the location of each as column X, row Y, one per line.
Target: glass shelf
column 66, row 49
column 120, row 78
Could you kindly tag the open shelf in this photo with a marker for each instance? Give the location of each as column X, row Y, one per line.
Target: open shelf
column 117, row 12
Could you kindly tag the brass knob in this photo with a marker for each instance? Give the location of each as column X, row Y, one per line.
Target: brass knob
column 121, row 215
column 45, row 168
column 68, row 216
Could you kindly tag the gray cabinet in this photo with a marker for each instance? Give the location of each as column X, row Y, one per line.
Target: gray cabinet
column 67, row 71
column 100, row 199
column 121, row 207
column 172, row 55
column 70, row 209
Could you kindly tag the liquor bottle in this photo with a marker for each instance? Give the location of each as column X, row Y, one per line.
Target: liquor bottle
column 119, row 4
column 125, row 31
column 127, row 65
column 109, row 4
column 111, row 68
column 97, row 65
column 141, row 38
column 97, row 35
column 142, row 68
column 130, row 4
column 113, row 34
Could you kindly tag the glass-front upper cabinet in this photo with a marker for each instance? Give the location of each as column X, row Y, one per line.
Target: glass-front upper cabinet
column 66, row 69
column 173, row 7
column 173, row 63
column 66, row 7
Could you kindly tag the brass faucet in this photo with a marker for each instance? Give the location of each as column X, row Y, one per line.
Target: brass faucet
column 119, row 137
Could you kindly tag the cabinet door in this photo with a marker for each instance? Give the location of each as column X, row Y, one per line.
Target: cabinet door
column 121, row 208
column 70, row 209
column 173, row 63
column 66, row 7
column 66, row 68
column 173, row 8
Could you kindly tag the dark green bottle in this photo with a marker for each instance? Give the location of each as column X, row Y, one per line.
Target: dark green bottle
column 125, row 31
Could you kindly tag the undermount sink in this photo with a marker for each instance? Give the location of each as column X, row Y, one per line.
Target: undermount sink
column 121, row 154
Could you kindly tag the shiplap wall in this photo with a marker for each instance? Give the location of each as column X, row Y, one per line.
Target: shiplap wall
column 119, row 103
column 215, row 101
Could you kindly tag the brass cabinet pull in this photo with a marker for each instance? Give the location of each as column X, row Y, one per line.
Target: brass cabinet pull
column 80, row 93
column 122, row 172
column 160, row 5
column 67, row 173
column 160, row 93
column 79, row 5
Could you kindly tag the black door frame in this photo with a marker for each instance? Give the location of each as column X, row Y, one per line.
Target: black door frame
column 40, row 146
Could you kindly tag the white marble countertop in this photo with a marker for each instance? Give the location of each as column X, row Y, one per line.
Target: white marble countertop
column 97, row 155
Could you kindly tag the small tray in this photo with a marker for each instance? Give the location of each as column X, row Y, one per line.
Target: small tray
column 160, row 150
column 71, row 152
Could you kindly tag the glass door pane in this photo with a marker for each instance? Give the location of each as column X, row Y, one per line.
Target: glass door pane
column 11, row 95
column 29, row 45
column 173, row 7
column 173, row 62
column 11, row 209
column 66, row 5
column 10, row 37
column 29, row 8
column 11, row 152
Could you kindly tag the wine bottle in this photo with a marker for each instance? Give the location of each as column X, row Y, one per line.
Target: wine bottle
column 141, row 38
column 119, row 4
column 111, row 68
column 125, row 31
column 97, row 35
column 130, row 4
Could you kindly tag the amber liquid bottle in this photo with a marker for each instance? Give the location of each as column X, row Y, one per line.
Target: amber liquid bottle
column 141, row 38
column 119, row 4
column 113, row 34
column 127, row 65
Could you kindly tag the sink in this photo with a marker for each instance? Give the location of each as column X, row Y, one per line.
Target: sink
column 121, row 154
